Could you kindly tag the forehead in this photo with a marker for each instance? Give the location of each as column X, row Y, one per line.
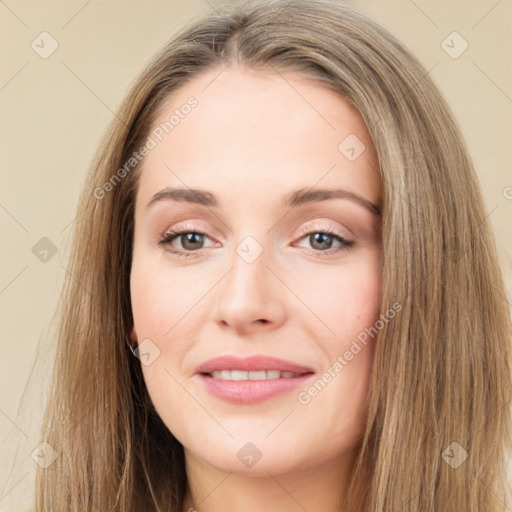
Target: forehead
column 262, row 131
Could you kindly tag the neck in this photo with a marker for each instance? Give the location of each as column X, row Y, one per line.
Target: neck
column 319, row 488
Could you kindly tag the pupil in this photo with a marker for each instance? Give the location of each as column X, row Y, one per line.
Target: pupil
column 190, row 238
column 322, row 239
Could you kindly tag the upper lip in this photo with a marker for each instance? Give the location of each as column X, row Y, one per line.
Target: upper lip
column 253, row 363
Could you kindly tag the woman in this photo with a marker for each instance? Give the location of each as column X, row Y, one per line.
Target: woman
column 284, row 293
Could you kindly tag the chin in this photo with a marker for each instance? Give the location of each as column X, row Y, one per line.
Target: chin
column 255, row 458
column 273, row 463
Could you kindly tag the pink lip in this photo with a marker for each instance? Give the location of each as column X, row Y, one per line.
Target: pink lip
column 253, row 363
column 251, row 391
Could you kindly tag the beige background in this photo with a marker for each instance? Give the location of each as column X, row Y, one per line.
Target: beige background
column 54, row 112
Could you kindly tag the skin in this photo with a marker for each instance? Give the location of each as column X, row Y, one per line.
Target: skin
column 254, row 136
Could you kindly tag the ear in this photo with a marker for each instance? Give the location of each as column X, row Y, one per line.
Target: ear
column 133, row 334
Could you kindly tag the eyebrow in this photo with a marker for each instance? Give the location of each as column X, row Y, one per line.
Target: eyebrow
column 295, row 198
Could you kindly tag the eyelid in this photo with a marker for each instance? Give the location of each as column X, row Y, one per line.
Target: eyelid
column 327, row 228
column 189, row 226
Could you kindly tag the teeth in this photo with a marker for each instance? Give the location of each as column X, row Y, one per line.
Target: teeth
column 261, row 375
column 256, row 375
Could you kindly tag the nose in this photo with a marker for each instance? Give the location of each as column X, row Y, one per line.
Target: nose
column 251, row 297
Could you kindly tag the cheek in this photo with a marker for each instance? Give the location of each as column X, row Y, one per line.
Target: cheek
column 165, row 307
column 160, row 302
column 346, row 299
column 358, row 301
column 161, row 299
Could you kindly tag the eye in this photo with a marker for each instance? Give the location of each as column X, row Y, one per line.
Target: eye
column 190, row 240
column 322, row 241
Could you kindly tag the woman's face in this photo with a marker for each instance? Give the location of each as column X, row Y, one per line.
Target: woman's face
column 285, row 275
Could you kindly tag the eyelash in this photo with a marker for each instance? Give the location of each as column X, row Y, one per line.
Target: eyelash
column 169, row 236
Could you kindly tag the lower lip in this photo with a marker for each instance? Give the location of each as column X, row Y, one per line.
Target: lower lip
column 251, row 391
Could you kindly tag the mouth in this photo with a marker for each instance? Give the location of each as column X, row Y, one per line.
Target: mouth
column 238, row 375
column 253, row 379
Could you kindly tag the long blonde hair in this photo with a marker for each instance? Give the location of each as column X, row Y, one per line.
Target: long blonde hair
column 442, row 369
